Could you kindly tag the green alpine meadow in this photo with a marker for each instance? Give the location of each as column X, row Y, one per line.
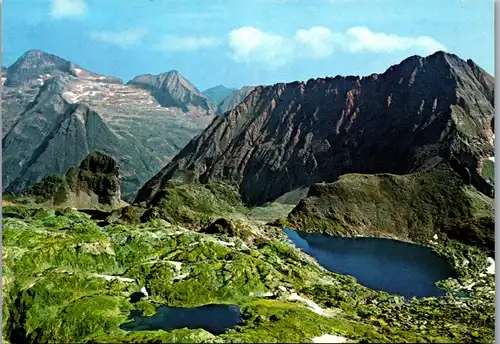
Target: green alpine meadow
column 266, row 171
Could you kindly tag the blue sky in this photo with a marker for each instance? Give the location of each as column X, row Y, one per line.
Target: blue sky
column 247, row 42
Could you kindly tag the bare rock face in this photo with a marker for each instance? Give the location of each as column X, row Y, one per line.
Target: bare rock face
column 286, row 136
column 33, row 64
column 94, row 185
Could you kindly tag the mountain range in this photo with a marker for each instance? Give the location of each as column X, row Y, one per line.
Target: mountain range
column 289, row 136
column 55, row 113
column 270, row 140
column 245, row 203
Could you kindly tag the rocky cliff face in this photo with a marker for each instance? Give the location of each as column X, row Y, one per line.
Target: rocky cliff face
column 54, row 113
column 94, row 185
column 290, row 135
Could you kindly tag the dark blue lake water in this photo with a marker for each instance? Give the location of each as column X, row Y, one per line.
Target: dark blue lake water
column 392, row 266
column 215, row 319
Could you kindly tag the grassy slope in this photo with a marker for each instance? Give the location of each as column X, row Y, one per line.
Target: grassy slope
column 410, row 207
column 488, row 171
column 196, row 205
column 51, row 291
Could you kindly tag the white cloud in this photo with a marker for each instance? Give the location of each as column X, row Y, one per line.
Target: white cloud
column 250, row 44
column 123, row 39
column 363, row 39
column 318, row 41
column 186, row 43
column 68, row 8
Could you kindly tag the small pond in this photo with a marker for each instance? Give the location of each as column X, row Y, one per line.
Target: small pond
column 381, row 264
column 215, row 319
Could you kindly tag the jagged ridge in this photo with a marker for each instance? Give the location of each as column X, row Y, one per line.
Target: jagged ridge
column 289, row 135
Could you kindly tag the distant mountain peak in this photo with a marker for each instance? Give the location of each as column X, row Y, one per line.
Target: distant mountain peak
column 40, row 58
column 171, row 89
column 36, row 52
column 34, row 63
column 218, row 93
column 222, row 87
column 35, row 66
column 235, row 98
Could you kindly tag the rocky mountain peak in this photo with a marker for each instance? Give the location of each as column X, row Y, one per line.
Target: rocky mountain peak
column 54, row 113
column 34, row 67
column 171, row 89
column 235, row 98
column 287, row 136
column 33, row 64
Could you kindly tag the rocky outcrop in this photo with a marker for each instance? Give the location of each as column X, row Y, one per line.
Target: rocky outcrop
column 286, row 136
column 54, row 113
column 94, row 185
column 220, row 226
column 421, row 207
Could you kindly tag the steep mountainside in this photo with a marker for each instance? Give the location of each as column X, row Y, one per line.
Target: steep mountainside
column 290, row 135
column 218, row 93
column 172, row 90
column 231, row 101
column 54, row 113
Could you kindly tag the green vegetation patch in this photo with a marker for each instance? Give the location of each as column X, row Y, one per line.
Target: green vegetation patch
column 268, row 321
column 155, row 337
column 68, row 280
column 63, row 307
column 488, row 171
column 195, row 205
column 410, row 207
